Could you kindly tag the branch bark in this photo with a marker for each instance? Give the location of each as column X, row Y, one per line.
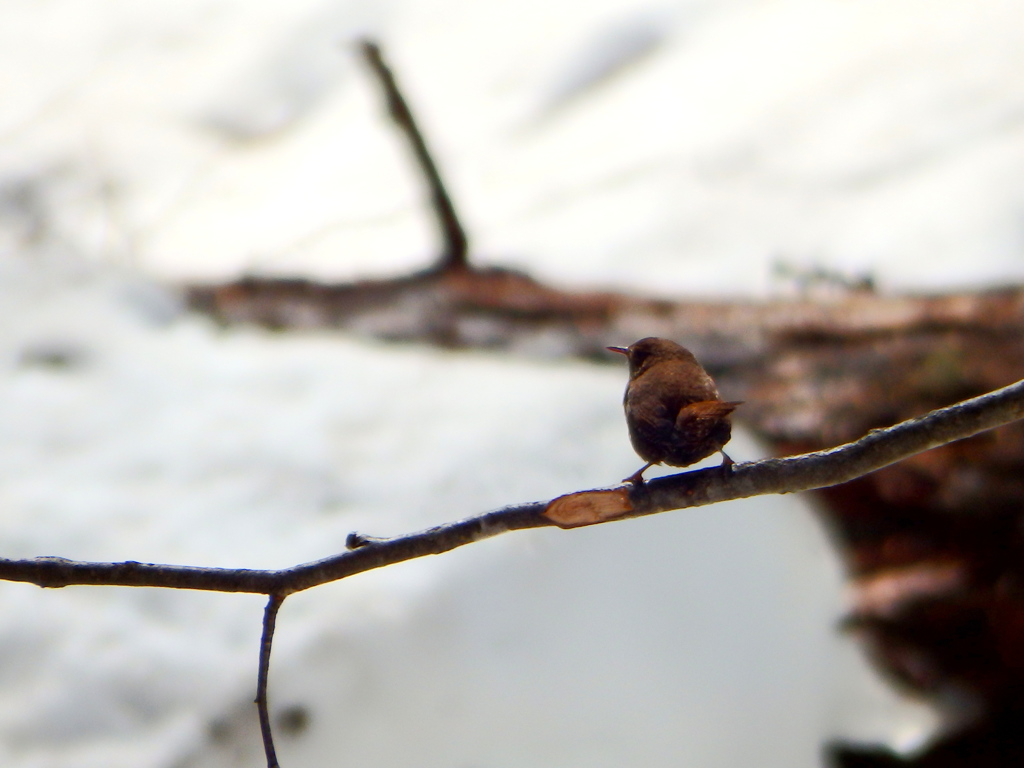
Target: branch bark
column 821, row 469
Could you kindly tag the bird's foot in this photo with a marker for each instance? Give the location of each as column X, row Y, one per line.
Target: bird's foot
column 727, row 464
column 637, row 478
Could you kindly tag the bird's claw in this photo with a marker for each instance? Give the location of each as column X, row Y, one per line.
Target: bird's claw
column 727, row 463
column 637, row 478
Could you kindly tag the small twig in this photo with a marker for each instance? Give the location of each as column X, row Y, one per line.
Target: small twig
column 875, row 450
column 455, row 253
column 269, row 621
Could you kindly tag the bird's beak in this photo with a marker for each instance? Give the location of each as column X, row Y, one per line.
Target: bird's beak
column 620, row 350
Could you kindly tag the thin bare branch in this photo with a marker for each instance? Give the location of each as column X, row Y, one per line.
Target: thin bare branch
column 875, row 450
column 455, row 253
column 269, row 622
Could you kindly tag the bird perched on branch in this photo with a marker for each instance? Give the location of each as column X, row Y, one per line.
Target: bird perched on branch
column 673, row 410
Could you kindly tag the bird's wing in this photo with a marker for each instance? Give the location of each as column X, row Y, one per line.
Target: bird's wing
column 696, row 420
column 653, row 423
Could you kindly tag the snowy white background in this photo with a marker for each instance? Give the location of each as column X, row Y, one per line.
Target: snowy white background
column 668, row 147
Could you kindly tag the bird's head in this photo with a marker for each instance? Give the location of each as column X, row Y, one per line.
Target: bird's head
column 647, row 352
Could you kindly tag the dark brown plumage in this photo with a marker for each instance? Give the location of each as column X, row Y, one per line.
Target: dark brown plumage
column 673, row 410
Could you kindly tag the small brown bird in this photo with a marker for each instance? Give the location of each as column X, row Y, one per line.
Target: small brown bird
column 673, row 410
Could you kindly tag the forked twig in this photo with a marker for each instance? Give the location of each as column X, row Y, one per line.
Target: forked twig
column 809, row 471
